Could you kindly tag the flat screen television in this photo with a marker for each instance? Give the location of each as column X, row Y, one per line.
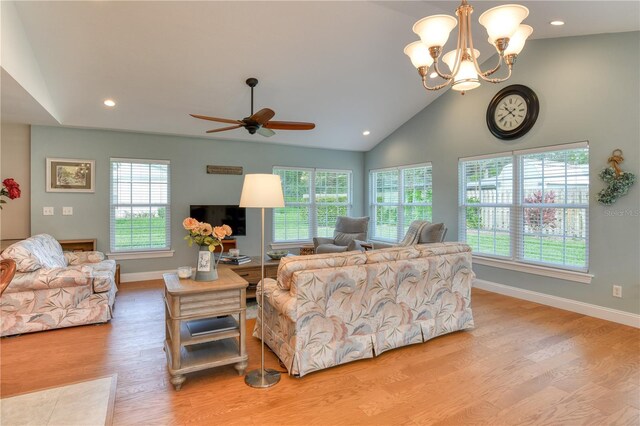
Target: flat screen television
column 233, row 216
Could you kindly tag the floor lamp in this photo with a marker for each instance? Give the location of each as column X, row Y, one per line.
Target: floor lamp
column 262, row 191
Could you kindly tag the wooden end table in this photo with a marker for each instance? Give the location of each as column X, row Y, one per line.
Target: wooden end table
column 191, row 306
column 251, row 272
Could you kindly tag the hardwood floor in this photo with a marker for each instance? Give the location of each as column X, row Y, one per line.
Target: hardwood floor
column 524, row 363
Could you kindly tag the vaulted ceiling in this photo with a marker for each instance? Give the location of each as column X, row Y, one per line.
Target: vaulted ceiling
column 338, row 64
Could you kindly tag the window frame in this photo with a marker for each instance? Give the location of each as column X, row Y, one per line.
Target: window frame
column 400, row 205
column 312, row 204
column 516, row 260
column 141, row 252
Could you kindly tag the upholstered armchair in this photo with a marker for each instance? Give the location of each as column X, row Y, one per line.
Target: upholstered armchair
column 419, row 232
column 348, row 231
column 55, row 289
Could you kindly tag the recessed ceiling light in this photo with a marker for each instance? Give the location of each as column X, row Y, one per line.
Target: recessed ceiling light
column 557, row 23
column 433, row 75
column 366, row 133
column 109, row 102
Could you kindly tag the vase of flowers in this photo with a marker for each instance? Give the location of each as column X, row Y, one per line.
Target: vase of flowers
column 207, row 237
column 10, row 189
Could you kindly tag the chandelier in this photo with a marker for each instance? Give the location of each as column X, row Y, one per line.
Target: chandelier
column 506, row 33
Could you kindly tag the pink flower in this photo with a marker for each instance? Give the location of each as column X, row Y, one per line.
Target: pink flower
column 205, row 229
column 227, row 229
column 190, row 224
column 219, row 232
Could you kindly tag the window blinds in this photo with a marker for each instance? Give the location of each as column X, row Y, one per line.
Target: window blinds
column 528, row 206
column 314, row 198
column 139, row 205
column 398, row 197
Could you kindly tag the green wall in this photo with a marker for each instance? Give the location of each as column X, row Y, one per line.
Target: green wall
column 190, row 184
column 588, row 89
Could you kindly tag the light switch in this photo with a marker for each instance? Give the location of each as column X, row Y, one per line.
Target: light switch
column 47, row 211
column 67, row 211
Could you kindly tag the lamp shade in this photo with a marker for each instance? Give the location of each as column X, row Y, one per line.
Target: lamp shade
column 503, row 21
column 434, row 30
column 467, row 77
column 262, row 190
column 450, row 57
column 418, row 52
column 516, row 43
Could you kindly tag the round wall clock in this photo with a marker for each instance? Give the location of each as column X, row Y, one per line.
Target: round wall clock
column 512, row 112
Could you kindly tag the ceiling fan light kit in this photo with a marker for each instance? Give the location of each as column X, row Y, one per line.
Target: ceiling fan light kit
column 506, row 32
column 259, row 122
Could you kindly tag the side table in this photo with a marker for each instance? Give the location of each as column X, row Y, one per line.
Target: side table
column 251, row 272
column 200, row 331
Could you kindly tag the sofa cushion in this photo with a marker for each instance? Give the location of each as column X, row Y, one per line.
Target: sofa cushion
column 438, row 249
column 39, row 251
column 47, row 278
column 291, row 264
column 392, row 254
column 415, row 251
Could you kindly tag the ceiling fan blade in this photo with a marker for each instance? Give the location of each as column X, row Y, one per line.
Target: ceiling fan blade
column 266, row 132
column 262, row 116
column 222, row 129
column 289, row 125
column 219, row 120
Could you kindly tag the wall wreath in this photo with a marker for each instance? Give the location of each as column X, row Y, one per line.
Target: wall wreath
column 618, row 182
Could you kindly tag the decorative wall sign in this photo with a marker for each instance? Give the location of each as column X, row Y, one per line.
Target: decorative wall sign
column 618, row 182
column 70, row 175
column 224, row 170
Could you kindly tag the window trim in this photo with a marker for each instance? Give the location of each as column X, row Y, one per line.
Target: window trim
column 532, row 268
column 312, row 204
column 516, row 239
column 146, row 252
column 400, row 205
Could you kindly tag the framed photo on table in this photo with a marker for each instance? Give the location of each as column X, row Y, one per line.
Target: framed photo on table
column 70, row 175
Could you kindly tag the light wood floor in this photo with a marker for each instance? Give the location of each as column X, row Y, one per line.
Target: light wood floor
column 523, row 364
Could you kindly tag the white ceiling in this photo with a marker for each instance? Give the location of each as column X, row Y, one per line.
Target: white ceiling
column 338, row 64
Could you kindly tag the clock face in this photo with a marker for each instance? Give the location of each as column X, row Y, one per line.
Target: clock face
column 510, row 112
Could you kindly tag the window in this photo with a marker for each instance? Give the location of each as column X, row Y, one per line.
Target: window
column 140, row 213
column 528, row 206
column 398, row 197
column 313, row 199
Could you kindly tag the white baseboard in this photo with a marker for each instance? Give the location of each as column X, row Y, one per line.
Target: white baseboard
column 601, row 312
column 143, row 276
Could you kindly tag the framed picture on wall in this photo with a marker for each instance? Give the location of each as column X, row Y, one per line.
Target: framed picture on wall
column 70, row 175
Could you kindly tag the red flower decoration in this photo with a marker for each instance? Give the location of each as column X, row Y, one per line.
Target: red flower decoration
column 10, row 188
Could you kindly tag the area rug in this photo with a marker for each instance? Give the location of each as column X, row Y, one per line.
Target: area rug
column 87, row 403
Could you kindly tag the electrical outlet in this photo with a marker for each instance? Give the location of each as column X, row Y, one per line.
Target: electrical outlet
column 617, row 291
column 47, row 211
column 67, row 211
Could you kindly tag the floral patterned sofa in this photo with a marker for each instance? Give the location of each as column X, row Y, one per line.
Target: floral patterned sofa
column 55, row 289
column 330, row 309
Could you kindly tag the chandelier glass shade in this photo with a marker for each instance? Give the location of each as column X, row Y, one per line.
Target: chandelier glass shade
column 506, row 32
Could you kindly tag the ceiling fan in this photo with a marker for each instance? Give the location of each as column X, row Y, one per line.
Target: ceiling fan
column 260, row 122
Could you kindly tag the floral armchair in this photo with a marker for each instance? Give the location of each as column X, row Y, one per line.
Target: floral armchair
column 55, row 289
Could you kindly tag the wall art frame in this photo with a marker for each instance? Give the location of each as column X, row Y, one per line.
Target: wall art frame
column 70, row 175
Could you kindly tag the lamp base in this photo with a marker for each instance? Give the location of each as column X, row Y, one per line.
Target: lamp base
column 256, row 379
